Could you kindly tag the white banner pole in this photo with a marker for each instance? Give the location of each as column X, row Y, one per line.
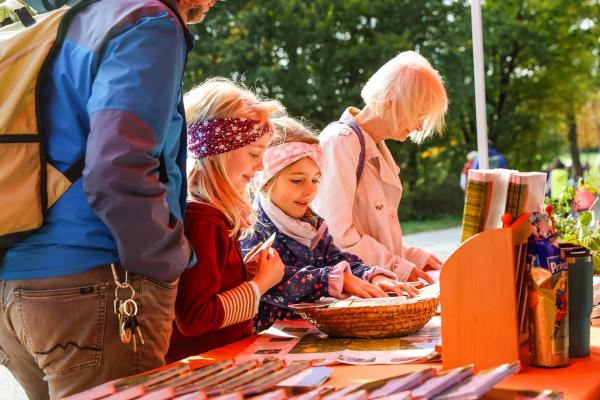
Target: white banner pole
column 479, row 75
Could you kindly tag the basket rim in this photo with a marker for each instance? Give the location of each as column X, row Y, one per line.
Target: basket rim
column 420, row 304
column 371, row 322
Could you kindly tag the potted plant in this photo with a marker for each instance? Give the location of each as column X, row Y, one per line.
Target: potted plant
column 574, row 221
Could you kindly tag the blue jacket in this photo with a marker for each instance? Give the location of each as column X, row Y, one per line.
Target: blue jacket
column 307, row 272
column 113, row 94
column 495, row 160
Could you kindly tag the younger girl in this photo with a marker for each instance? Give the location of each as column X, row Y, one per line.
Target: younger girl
column 228, row 132
column 314, row 266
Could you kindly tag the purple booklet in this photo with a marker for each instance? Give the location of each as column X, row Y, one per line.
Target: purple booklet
column 264, row 370
column 522, row 394
column 279, row 378
column 479, row 384
column 388, row 387
column 132, row 386
column 402, row 383
column 439, row 384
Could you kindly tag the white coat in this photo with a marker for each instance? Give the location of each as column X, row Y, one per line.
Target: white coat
column 363, row 219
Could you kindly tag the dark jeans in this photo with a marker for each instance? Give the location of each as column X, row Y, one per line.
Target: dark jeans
column 60, row 336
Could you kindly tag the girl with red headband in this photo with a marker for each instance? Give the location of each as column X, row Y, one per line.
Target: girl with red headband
column 228, row 132
column 314, row 266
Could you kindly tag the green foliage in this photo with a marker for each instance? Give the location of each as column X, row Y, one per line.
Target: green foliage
column 591, row 178
column 315, row 56
column 577, row 229
column 7, row 11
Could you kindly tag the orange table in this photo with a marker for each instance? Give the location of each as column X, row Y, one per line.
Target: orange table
column 580, row 380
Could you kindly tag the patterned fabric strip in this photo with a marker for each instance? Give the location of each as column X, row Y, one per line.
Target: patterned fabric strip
column 210, row 137
column 239, row 304
column 515, row 199
column 279, row 157
column 476, row 207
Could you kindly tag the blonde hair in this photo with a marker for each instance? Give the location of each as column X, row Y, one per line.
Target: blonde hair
column 208, row 181
column 414, row 90
column 288, row 130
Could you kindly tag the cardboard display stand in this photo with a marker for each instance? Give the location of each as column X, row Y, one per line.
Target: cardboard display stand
column 483, row 292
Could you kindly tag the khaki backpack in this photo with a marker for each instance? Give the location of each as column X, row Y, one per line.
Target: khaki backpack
column 29, row 185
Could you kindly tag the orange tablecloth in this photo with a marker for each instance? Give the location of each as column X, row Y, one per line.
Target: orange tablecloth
column 580, row 380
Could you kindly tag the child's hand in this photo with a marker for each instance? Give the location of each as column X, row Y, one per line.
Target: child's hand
column 359, row 287
column 270, row 270
column 389, row 285
column 251, row 270
column 433, row 263
column 416, row 273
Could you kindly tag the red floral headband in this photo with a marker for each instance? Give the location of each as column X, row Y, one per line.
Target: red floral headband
column 215, row 136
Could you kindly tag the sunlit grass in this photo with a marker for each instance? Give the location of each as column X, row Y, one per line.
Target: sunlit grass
column 442, row 222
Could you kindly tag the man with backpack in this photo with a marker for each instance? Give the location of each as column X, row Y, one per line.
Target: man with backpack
column 87, row 296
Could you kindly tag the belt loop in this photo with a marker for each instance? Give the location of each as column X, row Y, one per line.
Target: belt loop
column 125, row 283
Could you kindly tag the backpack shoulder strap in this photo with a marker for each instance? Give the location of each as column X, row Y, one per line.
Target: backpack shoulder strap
column 75, row 171
column 361, row 158
column 189, row 41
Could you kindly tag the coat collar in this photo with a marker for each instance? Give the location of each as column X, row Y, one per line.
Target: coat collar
column 269, row 226
column 266, row 221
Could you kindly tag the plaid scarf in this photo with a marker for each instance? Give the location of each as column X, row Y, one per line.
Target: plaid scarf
column 476, row 208
column 516, row 198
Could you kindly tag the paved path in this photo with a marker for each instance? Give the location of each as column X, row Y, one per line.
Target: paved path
column 9, row 388
column 441, row 243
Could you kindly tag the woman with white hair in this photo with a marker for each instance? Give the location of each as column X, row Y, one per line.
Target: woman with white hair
column 361, row 188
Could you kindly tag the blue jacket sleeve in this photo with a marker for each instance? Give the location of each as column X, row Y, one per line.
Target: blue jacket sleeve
column 335, row 255
column 299, row 284
column 132, row 103
column 250, row 242
column 503, row 163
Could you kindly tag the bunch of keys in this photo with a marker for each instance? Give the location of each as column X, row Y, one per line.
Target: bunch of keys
column 126, row 311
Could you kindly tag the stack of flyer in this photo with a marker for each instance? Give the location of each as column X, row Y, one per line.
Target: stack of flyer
column 277, row 380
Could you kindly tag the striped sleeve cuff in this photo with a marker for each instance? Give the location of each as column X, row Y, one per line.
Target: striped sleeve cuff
column 239, row 304
column 256, row 293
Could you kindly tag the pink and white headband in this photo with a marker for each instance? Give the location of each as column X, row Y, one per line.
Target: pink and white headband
column 210, row 137
column 278, row 157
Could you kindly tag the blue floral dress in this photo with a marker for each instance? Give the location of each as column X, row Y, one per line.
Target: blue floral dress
column 307, row 272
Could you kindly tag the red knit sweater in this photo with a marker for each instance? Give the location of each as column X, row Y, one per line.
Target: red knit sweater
column 198, row 311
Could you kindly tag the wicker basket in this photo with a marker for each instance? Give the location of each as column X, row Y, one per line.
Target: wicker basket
column 381, row 321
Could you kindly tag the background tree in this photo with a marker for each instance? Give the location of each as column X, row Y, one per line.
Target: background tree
column 588, row 121
column 541, row 62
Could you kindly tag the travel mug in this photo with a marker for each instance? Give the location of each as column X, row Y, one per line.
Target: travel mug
column 580, row 297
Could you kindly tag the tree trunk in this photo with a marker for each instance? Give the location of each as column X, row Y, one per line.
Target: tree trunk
column 577, row 170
